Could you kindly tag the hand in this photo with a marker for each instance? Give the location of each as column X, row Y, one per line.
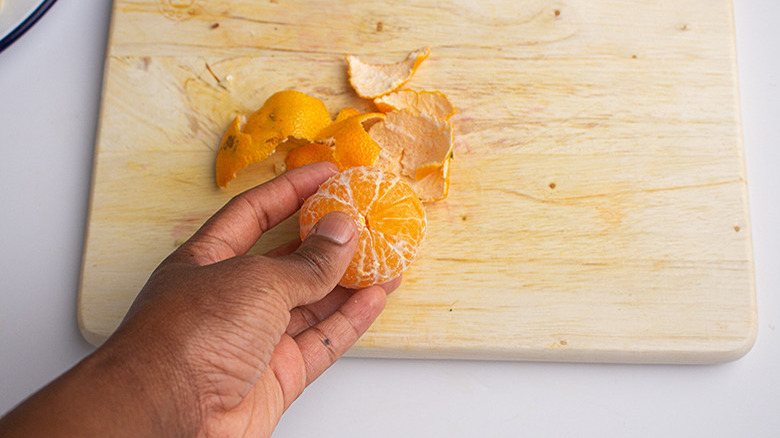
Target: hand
column 220, row 343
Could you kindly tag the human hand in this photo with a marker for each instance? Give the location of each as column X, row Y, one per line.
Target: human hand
column 220, row 343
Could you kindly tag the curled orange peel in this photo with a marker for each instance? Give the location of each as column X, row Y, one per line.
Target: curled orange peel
column 346, row 113
column 374, row 80
column 308, row 154
column 435, row 185
column 418, row 148
column 352, row 145
column 433, row 103
column 235, row 153
column 410, row 136
column 286, row 114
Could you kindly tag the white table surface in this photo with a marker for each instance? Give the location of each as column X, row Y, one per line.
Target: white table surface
column 50, row 82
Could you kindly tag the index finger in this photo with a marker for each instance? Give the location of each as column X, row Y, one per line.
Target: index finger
column 239, row 224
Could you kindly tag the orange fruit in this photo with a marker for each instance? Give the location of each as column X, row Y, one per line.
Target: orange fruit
column 284, row 115
column 374, row 80
column 390, row 219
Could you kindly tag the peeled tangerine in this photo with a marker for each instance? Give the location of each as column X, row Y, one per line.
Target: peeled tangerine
column 285, row 114
column 374, row 80
column 391, row 222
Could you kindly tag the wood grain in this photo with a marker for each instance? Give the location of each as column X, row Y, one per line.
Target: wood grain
column 598, row 206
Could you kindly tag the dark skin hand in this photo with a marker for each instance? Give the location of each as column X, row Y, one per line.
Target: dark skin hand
column 218, row 342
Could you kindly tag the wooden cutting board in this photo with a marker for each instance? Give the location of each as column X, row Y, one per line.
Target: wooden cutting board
column 598, row 206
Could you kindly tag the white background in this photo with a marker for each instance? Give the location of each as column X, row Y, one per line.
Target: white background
column 50, row 82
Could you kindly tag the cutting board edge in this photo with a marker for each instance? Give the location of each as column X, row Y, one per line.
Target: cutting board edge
column 720, row 352
column 94, row 337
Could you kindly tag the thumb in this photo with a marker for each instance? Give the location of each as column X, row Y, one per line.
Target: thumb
column 321, row 260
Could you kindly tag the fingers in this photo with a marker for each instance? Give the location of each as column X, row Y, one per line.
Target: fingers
column 238, row 225
column 322, row 344
column 305, row 317
column 288, row 367
column 316, row 267
column 284, row 249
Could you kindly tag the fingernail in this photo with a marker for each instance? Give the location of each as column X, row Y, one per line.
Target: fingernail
column 335, row 226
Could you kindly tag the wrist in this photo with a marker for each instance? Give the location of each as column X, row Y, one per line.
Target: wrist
column 148, row 387
column 116, row 391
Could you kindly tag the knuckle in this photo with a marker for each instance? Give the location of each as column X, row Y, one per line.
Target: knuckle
column 305, row 316
column 264, row 221
column 327, row 344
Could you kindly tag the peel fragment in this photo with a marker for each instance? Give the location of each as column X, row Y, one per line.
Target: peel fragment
column 346, row 113
column 417, row 147
column 352, row 145
column 433, row 103
column 235, row 153
column 374, row 80
column 308, row 154
column 286, row 114
column 436, row 185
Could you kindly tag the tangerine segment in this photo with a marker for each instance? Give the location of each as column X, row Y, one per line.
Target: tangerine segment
column 308, row 154
column 374, row 80
column 352, row 145
column 236, row 152
column 391, row 222
column 433, row 103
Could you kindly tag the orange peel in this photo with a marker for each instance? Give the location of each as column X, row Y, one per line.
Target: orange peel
column 352, row 145
column 411, row 136
column 308, row 154
column 374, row 80
column 286, row 114
column 235, row 153
column 346, row 113
column 418, row 148
column 420, row 141
column 435, row 185
column 433, row 103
